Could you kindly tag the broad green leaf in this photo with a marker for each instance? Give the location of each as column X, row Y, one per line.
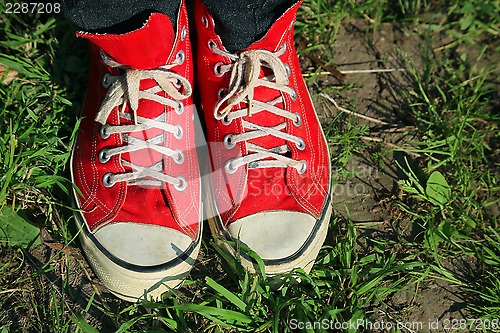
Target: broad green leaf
column 16, row 230
column 467, row 21
column 438, row 191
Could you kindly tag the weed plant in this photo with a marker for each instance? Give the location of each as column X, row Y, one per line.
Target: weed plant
column 451, row 192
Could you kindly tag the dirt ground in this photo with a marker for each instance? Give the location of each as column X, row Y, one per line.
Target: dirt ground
column 365, row 196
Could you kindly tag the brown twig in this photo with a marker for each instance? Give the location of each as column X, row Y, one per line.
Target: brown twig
column 362, row 116
column 330, row 68
column 392, row 145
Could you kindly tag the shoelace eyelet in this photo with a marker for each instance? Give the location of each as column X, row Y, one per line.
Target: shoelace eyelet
column 229, row 167
column 283, row 48
column 103, row 132
column 303, row 168
column 204, row 20
column 288, row 71
column 291, row 25
column 221, row 93
column 180, row 132
column 228, row 141
column 178, row 84
column 211, row 44
column 106, row 180
column 180, row 55
column 103, row 156
column 182, row 184
column 293, row 95
column 218, row 69
column 104, row 56
column 301, row 145
column 106, row 80
column 298, row 121
column 180, row 108
column 183, row 33
column 180, row 157
column 226, row 121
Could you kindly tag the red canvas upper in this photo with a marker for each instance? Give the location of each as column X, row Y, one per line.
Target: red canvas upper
column 249, row 191
column 153, row 45
column 145, row 48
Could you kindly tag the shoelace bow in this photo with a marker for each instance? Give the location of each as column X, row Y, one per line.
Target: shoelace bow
column 125, row 90
column 245, row 71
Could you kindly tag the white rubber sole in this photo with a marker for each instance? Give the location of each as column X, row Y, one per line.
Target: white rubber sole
column 131, row 282
column 303, row 257
column 136, row 283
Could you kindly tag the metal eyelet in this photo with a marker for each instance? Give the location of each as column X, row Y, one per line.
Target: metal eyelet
column 183, row 33
column 180, row 157
column 298, row 121
column 180, row 55
column 221, row 93
column 180, row 108
column 293, row 95
column 301, row 144
column 228, row 141
column 283, row 48
column 103, row 156
column 204, row 20
column 106, row 80
column 218, row 69
column 211, row 44
column 288, row 71
column 226, row 121
column 229, row 167
column 303, row 168
column 104, row 56
column 291, row 25
column 103, row 132
column 180, row 132
column 182, row 184
column 106, row 180
column 178, row 84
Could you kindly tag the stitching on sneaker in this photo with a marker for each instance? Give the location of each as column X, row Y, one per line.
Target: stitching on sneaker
column 245, row 70
column 124, row 91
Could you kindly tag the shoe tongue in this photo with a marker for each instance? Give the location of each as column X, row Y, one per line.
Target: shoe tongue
column 276, row 33
column 272, row 41
column 145, row 48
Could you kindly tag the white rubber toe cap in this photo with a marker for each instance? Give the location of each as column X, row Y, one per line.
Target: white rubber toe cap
column 142, row 244
column 273, row 235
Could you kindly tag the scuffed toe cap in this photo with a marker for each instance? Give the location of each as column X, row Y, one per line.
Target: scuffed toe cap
column 142, row 244
column 274, row 235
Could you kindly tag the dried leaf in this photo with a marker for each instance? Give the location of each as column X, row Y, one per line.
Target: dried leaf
column 7, row 75
column 48, row 241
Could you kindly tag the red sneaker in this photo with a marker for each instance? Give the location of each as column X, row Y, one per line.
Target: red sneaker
column 134, row 165
column 269, row 157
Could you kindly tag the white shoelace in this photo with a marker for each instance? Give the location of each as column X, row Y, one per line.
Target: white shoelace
column 124, row 90
column 245, row 70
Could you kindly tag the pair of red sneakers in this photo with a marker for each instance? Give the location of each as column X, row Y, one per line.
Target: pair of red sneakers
column 140, row 199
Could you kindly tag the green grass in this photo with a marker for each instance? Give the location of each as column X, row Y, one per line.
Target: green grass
column 449, row 194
